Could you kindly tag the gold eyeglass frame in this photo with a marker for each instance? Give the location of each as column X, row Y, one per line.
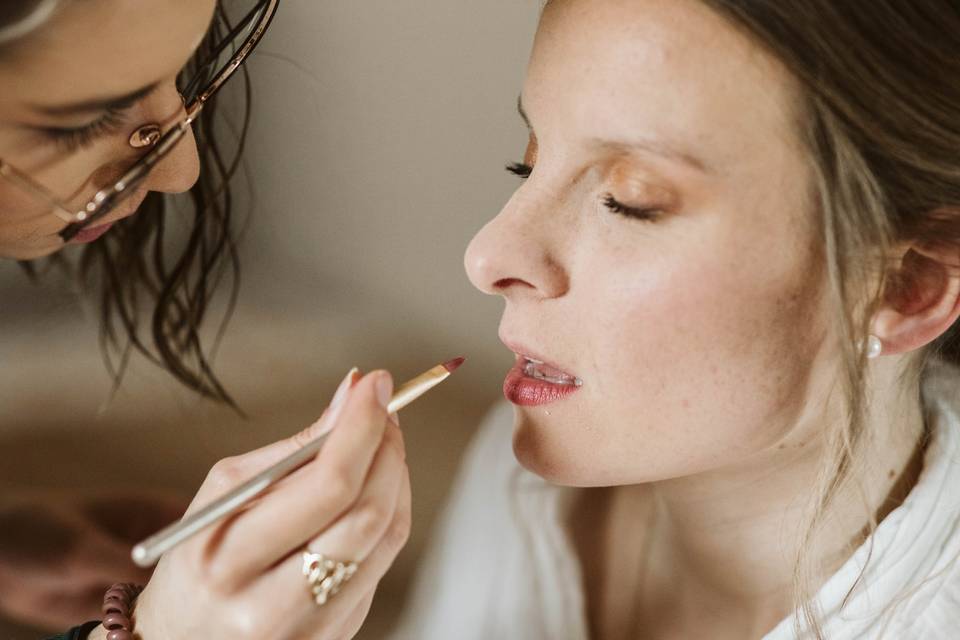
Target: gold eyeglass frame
column 108, row 198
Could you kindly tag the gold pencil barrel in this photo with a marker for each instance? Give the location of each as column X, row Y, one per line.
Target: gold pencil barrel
column 416, row 387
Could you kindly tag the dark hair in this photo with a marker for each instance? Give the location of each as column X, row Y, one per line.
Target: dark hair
column 142, row 269
column 881, row 92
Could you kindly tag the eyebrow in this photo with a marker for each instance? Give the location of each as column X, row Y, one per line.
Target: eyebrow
column 649, row 146
column 96, row 104
column 523, row 113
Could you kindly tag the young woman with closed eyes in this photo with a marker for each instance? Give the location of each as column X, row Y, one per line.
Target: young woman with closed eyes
column 732, row 279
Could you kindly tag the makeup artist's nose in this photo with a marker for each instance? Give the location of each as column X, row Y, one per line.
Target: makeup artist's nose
column 513, row 256
column 179, row 171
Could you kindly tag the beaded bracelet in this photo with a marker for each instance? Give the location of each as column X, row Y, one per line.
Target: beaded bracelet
column 117, row 607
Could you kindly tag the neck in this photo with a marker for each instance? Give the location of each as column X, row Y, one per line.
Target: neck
column 721, row 546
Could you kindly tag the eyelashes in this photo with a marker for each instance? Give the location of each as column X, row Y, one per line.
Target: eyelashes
column 520, row 169
column 637, row 213
column 612, row 204
column 71, row 139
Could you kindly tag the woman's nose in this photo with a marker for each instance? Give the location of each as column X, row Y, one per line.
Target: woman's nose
column 517, row 255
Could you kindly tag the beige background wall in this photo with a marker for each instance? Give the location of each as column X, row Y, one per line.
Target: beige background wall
column 379, row 136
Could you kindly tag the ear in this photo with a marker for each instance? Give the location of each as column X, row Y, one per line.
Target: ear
column 921, row 300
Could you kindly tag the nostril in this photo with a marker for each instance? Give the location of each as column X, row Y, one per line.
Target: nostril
column 506, row 283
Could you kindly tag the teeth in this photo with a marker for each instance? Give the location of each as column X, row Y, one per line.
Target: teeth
column 533, row 370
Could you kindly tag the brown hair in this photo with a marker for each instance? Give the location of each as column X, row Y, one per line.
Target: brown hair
column 141, row 276
column 881, row 85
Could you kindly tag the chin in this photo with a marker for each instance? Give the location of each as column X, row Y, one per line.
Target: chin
column 14, row 253
column 541, row 449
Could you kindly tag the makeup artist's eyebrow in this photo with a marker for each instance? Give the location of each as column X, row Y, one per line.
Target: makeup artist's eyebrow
column 96, row 104
column 648, row 146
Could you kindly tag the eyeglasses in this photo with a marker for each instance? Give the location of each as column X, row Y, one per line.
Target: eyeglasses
column 206, row 80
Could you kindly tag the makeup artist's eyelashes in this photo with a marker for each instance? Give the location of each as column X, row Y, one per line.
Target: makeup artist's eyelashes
column 520, row 169
column 637, row 213
column 72, row 138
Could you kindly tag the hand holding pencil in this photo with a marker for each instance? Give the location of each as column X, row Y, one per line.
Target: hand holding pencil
column 244, row 575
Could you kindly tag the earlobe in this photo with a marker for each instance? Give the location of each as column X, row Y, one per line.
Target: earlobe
column 921, row 299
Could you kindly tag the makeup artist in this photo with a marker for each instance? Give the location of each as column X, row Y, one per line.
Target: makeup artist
column 106, row 109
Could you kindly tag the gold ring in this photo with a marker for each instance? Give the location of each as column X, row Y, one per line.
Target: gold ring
column 325, row 575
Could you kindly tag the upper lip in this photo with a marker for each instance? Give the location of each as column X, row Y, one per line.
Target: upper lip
column 525, row 352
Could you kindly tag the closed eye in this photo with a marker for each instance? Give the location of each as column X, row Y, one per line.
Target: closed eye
column 638, row 213
column 72, row 138
column 112, row 119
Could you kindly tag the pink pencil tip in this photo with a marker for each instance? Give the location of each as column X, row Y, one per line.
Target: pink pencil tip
column 454, row 364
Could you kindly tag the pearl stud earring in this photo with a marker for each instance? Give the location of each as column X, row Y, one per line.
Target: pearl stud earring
column 874, row 347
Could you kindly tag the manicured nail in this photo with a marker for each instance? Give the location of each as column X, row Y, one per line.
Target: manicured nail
column 344, row 388
column 384, row 389
column 339, row 398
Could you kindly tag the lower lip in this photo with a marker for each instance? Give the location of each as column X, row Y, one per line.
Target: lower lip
column 522, row 390
column 90, row 234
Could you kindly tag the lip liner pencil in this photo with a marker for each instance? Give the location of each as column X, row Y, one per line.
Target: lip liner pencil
column 148, row 552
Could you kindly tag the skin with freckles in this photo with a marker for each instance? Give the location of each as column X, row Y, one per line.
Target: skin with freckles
column 48, row 71
column 708, row 309
column 664, row 249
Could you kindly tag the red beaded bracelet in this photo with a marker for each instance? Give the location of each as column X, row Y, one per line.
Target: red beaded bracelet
column 117, row 607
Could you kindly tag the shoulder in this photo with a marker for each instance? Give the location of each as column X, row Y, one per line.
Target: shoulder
column 933, row 610
column 931, row 526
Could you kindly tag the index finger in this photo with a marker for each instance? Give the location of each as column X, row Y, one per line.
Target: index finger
column 311, row 498
column 232, row 472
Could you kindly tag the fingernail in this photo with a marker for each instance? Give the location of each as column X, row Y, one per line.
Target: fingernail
column 344, row 388
column 338, row 402
column 384, row 389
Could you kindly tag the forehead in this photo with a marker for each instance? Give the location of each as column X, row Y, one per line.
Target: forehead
column 97, row 48
column 664, row 68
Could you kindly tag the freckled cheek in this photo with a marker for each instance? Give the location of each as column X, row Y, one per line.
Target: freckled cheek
column 649, row 338
column 688, row 343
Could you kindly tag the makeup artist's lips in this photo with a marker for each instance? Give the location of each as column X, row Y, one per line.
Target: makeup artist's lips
column 534, row 382
column 92, row 233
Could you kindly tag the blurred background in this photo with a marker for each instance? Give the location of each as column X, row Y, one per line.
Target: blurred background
column 380, row 131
